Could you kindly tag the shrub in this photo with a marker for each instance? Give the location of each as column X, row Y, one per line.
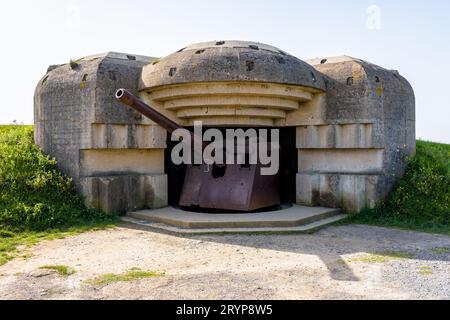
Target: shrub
column 34, row 195
column 422, row 197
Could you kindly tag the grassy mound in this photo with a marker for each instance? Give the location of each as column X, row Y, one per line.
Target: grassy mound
column 34, row 196
column 421, row 200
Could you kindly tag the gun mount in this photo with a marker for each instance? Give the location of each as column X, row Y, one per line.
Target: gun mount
column 235, row 187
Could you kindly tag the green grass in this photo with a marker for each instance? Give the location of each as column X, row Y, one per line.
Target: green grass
column 383, row 257
column 421, row 200
column 425, row 271
column 131, row 275
column 62, row 270
column 441, row 250
column 36, row 201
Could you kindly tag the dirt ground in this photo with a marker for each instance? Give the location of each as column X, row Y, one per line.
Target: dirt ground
column 341, row 262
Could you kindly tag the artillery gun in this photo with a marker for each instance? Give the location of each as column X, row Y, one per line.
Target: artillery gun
column 234, row 187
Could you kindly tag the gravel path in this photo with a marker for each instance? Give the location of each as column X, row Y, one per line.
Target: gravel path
column 344, row 262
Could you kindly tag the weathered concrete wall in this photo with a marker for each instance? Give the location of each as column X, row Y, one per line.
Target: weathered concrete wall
column 358, row 152
column 114, row 155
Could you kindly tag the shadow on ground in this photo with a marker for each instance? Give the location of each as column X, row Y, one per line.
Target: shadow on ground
column 331, row 243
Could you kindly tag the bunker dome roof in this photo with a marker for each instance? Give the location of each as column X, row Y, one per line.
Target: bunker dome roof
column 373, row 73
column 229, row 61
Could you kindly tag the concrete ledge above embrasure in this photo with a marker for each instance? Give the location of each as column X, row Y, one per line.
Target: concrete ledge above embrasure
column 106, row 162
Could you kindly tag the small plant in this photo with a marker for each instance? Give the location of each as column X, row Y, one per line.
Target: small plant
column 62, row 270
column 73, row 64
column 131, row 275
column 383, row 257
column 6, row 234
column 425, row 271
column 397, row 254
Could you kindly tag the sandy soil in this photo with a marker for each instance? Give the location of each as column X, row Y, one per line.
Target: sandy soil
column 334, row 263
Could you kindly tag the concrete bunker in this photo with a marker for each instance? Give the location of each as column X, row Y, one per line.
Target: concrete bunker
column 346, row 125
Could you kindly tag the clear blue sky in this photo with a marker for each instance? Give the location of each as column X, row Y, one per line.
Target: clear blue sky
column 410, row 36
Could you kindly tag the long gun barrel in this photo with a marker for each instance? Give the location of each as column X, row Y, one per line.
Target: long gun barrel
column 137, row 104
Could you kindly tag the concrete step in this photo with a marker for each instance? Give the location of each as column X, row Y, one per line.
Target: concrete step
column 293, row 219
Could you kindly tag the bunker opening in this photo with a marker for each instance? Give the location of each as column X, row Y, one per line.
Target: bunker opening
column 285, row 184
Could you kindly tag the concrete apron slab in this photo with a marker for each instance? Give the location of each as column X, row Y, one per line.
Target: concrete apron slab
column 293, row 219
